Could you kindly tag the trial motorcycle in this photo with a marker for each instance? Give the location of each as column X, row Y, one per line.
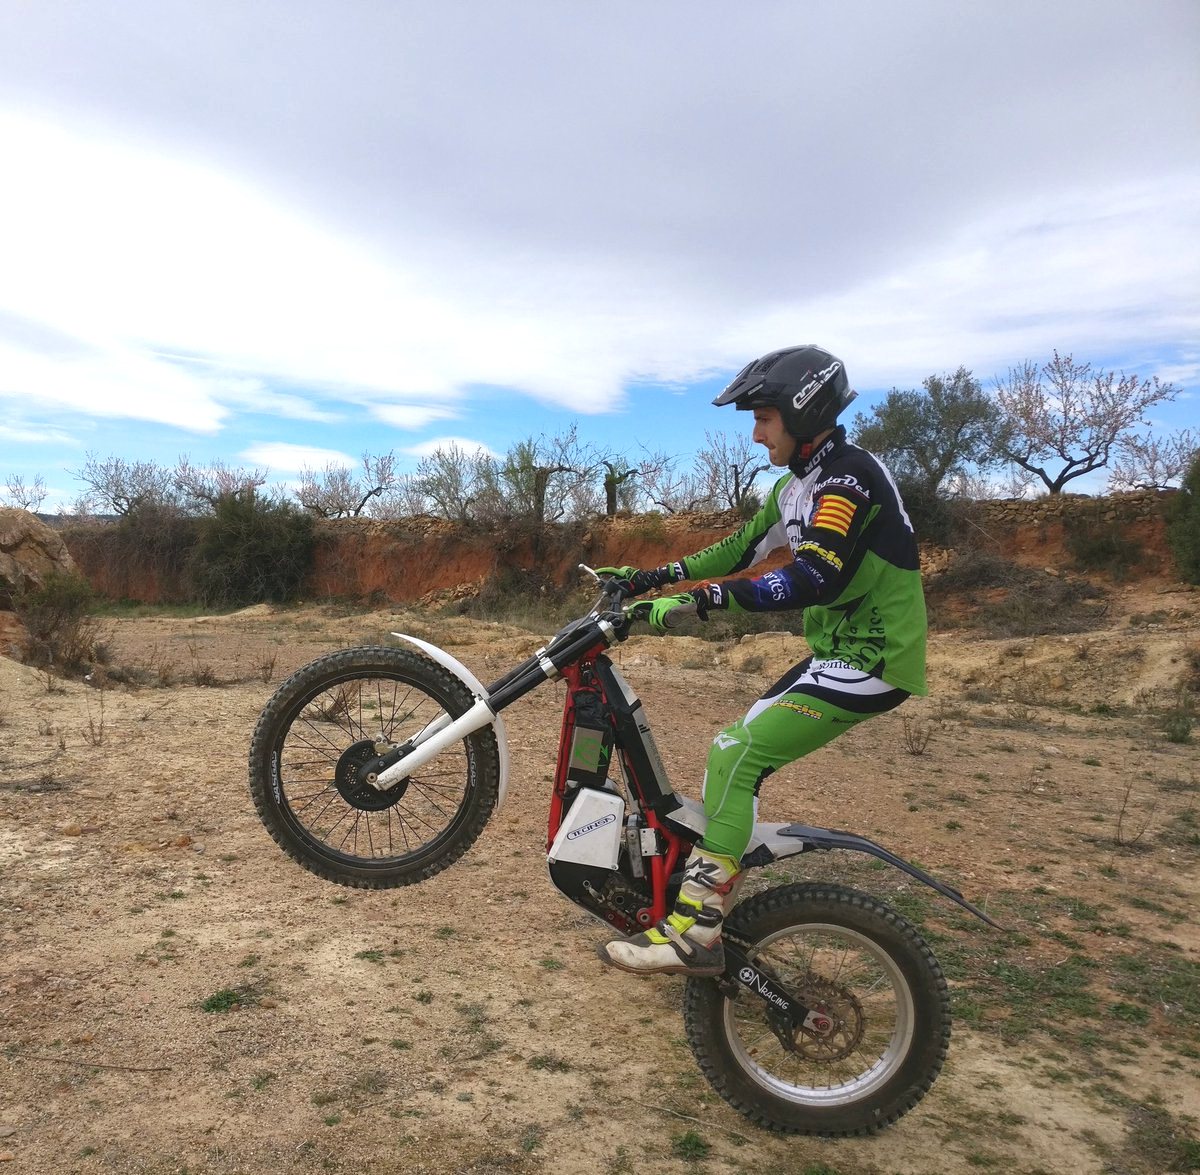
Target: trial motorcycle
column 378, row 767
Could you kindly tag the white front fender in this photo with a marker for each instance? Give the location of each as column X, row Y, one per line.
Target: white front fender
column 480, row 691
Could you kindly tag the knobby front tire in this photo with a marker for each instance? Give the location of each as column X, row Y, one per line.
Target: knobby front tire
column 869, row 970
column 323, row 721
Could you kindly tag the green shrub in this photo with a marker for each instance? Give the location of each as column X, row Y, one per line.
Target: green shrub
column 1097, row 546
column 932, row 516
column 57, row 616
column 251, row 550
column 1015, row 600
column 1183, row 525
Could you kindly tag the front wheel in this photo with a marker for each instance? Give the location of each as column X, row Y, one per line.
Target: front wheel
column 871, row 974
column 332, row 717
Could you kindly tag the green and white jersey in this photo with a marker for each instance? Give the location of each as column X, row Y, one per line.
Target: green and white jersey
column 855, row 568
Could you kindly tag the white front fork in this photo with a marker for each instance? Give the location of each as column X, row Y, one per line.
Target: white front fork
column 444, row 731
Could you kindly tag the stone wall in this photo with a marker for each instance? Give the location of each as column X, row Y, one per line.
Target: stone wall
column 1132, row 508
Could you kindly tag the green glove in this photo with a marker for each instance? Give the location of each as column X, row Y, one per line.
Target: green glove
column 638, row 582
column 663, row 614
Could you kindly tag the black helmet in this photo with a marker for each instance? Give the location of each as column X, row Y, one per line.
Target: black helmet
column 807, row 384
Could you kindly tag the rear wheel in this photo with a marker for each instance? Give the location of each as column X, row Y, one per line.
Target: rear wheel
column 872, row 977
column 329, row 719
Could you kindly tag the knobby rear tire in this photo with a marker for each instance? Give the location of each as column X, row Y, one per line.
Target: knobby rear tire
column 365, row 839
column 743, row 1058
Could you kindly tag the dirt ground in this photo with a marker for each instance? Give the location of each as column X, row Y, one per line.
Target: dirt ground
column 465, row 1025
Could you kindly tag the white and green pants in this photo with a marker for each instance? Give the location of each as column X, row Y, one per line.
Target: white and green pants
column 807, row 707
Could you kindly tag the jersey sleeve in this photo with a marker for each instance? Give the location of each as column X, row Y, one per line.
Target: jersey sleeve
column 823, row 558
column 749, row 544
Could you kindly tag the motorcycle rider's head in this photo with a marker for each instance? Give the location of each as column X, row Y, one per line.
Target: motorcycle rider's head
column 796, row 395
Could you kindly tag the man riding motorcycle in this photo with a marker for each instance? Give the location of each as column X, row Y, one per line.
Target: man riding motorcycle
column 854, row 571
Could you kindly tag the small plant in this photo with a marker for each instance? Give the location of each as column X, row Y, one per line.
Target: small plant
column 202, row 673
column 374, row 955
column 689, row 1147
column 549, row 1063
column 531, row 1137
column 94, row 734
column 1019, row 714
column 1177, row 726
column 916, row 736
column 265, row 667
column 1129, row 830
column 229, row 999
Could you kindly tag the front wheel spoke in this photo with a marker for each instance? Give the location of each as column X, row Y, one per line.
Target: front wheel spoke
column 412, row 820
column 306, row 755
column 431, row 802
column 316, row 819
column 416, row 819
column 328, row 834
column 290, row 781
column 319, row 733
column 307, row 797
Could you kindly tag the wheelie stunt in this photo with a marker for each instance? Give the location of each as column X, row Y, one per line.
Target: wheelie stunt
column 811, row 1008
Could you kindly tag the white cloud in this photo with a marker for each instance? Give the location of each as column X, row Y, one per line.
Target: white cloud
column 412, row 416
column 109, row 381
column 281, row 456
column 526, row 225
column 33, row 434
column 464, row 444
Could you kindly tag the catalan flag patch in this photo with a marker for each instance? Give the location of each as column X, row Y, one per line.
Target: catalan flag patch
column 834, row 513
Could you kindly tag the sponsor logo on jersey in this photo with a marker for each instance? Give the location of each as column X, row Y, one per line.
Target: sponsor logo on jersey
column 800, row 708
column 777, row 585
column 834, row 513
column 584, row 829
column 821, row 553
column 846, row 481
column 725, row 741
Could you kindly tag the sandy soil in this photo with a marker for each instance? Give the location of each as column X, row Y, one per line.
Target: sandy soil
column 464, row 1024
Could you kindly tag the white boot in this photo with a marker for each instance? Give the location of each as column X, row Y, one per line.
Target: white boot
column 687, row 941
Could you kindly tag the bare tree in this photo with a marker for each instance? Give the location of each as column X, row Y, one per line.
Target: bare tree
column 338, row 492
column 1147, row 462
column 25, row 497
column 403, row 498
column 206, row 485
column 117, row 486
column 451, row 479
column 1065, row 420
column 668, row 485
column 728, row 466
column 619, row 472
column 538, row 478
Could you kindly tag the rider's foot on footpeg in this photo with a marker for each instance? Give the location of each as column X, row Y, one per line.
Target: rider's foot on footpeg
column 642, row 956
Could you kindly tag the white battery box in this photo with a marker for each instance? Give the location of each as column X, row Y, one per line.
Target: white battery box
column 591, row 832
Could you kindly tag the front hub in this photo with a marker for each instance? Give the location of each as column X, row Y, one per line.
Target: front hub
column 355, row 788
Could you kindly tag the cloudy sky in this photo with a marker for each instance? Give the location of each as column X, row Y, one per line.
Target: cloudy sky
column 286, row 232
